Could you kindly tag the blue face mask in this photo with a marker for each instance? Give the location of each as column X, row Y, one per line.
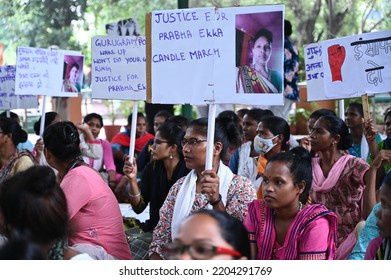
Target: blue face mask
column 263, row 146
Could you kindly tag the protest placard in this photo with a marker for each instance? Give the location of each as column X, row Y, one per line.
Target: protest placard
column 195, row 55
column 8, row 99
column 41, row 71
column 118, row 67
column 358, row 64
column 123, row 27
column 314, row 72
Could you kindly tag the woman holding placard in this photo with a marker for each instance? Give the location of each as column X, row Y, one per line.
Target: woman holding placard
column 383, row 145
column 258, row 78
column 217, row 188
column 158, row 176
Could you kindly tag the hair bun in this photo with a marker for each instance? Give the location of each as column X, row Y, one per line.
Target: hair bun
column 71, row 135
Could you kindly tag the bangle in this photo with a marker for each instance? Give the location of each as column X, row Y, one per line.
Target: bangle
column 134, row 195
column 214, row 203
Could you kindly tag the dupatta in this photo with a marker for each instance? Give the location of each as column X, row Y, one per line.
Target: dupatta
column 265, row 232
column 325, row 184
column 186, row 195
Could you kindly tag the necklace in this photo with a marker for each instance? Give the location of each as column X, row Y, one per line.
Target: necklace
column 300, row 207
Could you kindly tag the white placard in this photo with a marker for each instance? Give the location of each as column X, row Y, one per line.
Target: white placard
column 193, row 54
column 118, row 67
column 8, row 99
column 357, row 64
column 40, row 71
column 314, row 72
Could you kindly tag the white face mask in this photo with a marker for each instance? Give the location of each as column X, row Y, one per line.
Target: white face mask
column 262, row 145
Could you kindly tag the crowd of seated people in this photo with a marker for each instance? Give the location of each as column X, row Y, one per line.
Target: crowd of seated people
column 259, row 186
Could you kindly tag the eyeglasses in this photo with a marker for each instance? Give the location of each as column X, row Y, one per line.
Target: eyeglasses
column 192, row 141
column 158, row 141
column 198, row 251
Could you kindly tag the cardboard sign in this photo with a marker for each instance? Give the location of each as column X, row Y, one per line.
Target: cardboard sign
column 118, row 67
column 314, row 72
column 349, row 67
column 8, row 99
column 358, row 64
column 123, row 27
column 41, row 71
column 195, row 56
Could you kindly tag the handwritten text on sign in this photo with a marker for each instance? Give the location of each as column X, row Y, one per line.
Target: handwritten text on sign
column 314, row 72
column 118, row 67
column 40, row 71
column 8, row 99
column 193, row 55
column 175, row 35
column 187, row 47
column 357, row 64
column 34, row 70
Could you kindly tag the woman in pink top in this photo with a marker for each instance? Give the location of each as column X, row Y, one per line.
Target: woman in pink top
column 94, row 215
column 280, row 226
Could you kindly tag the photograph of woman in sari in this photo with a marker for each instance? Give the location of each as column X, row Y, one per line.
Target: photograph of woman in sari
column 280, row 226
column 259, row 78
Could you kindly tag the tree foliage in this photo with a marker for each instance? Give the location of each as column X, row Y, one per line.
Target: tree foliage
column 70, row 24
column 40, row 23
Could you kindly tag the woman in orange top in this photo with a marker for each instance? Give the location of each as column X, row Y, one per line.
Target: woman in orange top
column 272, row 137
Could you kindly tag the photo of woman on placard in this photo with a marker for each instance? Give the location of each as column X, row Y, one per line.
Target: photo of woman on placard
column 258, row 61
column 72, row 78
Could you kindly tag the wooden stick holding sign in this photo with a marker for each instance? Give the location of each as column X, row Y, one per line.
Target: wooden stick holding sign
column 365, row 107
column 370, row 129
column 43, row 116
column 133, row 131
column 210, row 136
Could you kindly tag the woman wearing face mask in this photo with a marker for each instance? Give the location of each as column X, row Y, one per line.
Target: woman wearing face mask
column 272, row 137
column 244, row 160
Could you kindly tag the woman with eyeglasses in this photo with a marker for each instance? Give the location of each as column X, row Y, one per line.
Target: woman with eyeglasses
column 166, row 167
column 217, row 189
column 11, row 159
column 94, row 214
column 209, row 235
column 280, row 226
